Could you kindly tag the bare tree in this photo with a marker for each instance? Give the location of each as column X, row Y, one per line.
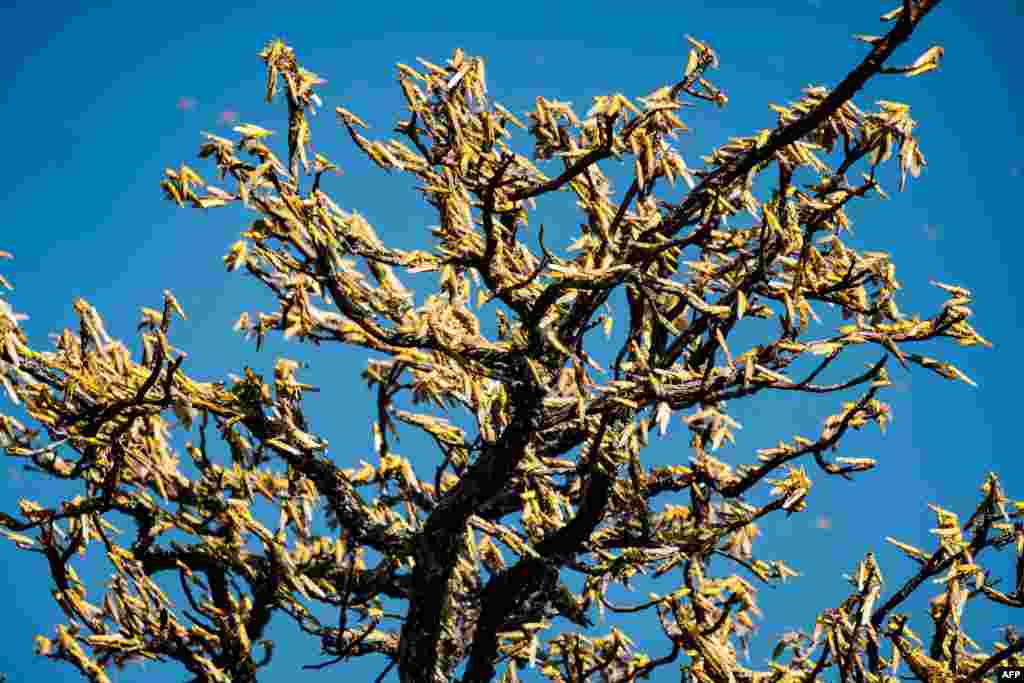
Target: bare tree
column 548, row 486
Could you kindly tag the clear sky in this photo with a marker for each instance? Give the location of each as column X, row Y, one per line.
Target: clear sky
column 99, row 100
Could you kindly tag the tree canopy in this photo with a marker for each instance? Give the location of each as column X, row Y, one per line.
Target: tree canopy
column 496, row 564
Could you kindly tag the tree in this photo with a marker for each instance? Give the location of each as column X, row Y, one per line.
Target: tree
column 544, row 488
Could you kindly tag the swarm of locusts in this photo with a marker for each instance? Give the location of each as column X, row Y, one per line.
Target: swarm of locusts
column 503, row 554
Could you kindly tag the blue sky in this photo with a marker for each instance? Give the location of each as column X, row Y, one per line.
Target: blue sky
column 100, row 99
